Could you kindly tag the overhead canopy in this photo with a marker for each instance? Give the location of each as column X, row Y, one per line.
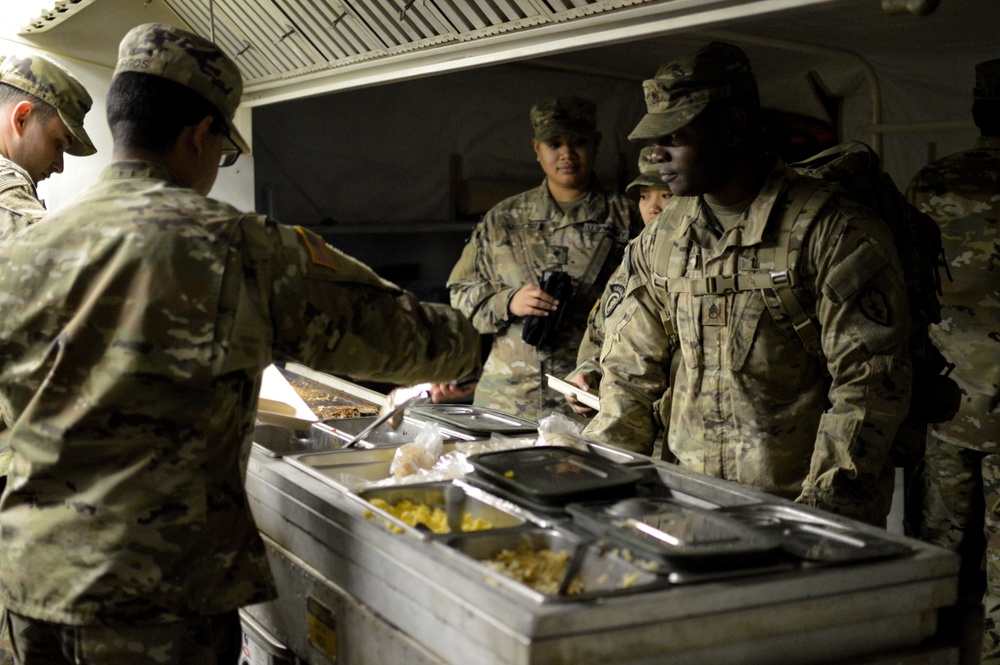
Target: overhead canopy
column 900, row 81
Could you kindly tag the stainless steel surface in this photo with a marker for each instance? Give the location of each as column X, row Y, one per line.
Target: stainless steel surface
column 350, row 469
column 438, row 596
column 475, row 419
column 333, row 434
column 599, row 574
column 385, row 418
column 354, row 468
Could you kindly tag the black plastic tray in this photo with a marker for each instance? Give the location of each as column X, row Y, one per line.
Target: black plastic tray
column 677, row 535
column 556, row 475
column 474, row 419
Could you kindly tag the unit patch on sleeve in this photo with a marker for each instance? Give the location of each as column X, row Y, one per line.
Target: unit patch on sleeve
column 318, row 249
column 874, row 307
column 615, row 294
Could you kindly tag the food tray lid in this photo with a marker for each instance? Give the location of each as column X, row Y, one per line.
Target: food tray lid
column 555, row 474
column 476, row 419
column 814, row 539
column 676, row 534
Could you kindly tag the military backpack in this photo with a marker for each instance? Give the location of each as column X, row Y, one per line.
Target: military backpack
column 853, row 170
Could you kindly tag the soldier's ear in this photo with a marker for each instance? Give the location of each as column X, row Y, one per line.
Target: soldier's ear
column 19, row 116
column 200, row 132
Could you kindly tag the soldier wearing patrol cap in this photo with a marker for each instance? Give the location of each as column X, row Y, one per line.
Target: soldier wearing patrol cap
column 961, row 494
column 652, row 195
column 138, row 322
column 750, row 402
column 568, row 224
column 42, row 107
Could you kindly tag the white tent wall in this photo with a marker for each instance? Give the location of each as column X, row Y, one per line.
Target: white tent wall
column 234, row 185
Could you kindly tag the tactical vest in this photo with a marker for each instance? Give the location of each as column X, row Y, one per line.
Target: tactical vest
column 852, row 170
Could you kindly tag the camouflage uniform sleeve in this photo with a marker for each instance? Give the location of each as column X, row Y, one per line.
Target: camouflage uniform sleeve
column 335, row 314
column 863, row 313
column 588, row 355
column 588, row 359
column 475, row 285
column 635, row 357
column 18, row 208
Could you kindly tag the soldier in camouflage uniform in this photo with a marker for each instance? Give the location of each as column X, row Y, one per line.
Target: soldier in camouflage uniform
column 750, row 403
column 42, row 107
column 652, row 195
column 962, row 476
column 569, row 224
column 137, row 324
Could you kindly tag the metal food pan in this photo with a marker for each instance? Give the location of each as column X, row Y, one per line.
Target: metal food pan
column 811, row 538
column 600, row 573
column 350, row 468
column 432, row 495
column 333, row 434
column 677, row 535
column 276, row 441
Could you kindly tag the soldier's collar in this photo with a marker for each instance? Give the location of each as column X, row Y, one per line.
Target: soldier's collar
column 8, row 165
column 137, row 169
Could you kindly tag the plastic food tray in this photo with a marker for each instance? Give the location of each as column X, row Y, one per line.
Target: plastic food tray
column 556, row 475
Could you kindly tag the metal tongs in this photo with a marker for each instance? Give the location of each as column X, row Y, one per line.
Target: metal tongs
column 392, row 412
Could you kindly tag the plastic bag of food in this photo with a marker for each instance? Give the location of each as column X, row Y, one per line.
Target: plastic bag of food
column 557, row 429
column 422, row 453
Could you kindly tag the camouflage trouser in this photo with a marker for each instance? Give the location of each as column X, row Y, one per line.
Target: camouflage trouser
column 213, row 640
column 962, row 513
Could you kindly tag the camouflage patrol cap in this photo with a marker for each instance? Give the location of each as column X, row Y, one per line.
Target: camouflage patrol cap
column 188, row 59
column 987, row 80
column 38, row 76
column 564, row 116
column 682, row 89
column 649, row 173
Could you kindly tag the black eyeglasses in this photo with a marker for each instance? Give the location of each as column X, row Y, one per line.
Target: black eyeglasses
column 230, row 153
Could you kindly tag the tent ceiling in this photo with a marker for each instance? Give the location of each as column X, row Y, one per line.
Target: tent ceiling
column 294, row 48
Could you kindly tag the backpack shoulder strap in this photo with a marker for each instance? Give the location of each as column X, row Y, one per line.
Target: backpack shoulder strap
column 783, row 256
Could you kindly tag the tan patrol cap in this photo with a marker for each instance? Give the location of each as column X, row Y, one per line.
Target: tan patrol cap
column 649, row 173
column 987, row 80
column 188, row 59
column 38, row 76
column 564, row 116
column 681, row 89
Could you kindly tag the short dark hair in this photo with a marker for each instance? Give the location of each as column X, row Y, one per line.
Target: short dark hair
column 11, row 95
column 148, row 112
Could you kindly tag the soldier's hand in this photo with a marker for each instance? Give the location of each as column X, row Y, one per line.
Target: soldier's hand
column 530, row 300
column 449, row 392
column 582, row 381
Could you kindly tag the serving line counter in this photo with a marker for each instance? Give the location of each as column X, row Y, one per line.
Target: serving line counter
column 357, row 585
